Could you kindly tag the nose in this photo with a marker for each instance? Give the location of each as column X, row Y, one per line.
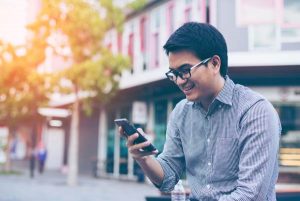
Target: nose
column 180, row 81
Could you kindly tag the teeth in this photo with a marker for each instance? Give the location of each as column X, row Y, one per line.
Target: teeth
column 188, row 88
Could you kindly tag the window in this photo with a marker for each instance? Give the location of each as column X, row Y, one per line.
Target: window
column 119, row 42
column 143, row 41
column 290, row 35
column 291, row 13
column 157, row 19
column 202, row 10
column 131, row 49
column 170, row 19
column 155, row 37
column 188, row 11
column 275, row 22
column 263, row 37
column 143, row 32
column 188, row 14
column 290, row 31
column 265, row 12
column 156, row 49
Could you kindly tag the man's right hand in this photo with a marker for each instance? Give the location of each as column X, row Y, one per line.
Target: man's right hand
column 150, row 165
column 135, row 150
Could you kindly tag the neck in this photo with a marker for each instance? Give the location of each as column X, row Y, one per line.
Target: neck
column 217, row 87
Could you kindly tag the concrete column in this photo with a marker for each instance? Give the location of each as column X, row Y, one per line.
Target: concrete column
column 150, row 124
column 117, row 150
column 130, row 166
column 102, row 142
column 169, row 109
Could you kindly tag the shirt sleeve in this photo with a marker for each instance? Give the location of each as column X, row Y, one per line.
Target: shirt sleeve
column 172, row 158
column 259, row 143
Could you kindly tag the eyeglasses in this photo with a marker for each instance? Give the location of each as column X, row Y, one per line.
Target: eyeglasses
column 184, row 73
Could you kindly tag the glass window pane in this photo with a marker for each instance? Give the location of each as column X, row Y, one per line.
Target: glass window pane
column 160, row 126
column 290, row 35
column 124, row 113
column 110, row 142
column 289, row 156
column 264, row 37
column 291, row 12
column 265, row 12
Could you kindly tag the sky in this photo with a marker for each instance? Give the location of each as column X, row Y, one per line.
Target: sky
column 13, row 19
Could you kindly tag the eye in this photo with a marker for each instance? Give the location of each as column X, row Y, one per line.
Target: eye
column 185, row 71
column 185, row 68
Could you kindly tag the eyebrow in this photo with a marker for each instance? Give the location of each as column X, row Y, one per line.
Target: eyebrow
column 181, row 66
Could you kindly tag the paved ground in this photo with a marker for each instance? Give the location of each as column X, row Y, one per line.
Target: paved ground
column 51, row 186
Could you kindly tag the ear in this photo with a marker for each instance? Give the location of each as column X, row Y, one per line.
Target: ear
column 216, row 63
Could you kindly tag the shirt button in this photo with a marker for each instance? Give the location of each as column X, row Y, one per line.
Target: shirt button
column 209, row 163
column 208, row 186
column 208, row 140
column 220, row 106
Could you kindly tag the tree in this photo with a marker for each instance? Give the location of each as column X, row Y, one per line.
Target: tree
column 81, row 26
column 22, row 89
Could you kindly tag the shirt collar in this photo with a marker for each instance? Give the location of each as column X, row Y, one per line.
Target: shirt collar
column 226, row 94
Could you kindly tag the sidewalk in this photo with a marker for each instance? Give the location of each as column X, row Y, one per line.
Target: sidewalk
column 51, row 186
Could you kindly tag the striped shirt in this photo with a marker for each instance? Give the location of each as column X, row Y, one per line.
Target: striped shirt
column 229, row 152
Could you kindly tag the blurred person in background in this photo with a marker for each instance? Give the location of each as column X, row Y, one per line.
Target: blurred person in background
column 41, row 156
column 224, row 135
column 32, row 156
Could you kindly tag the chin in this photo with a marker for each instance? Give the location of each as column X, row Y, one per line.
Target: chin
column 192, row 98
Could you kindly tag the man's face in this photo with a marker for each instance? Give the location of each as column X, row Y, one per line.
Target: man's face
column 199, row 87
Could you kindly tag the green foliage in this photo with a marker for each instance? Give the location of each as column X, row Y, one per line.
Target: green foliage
column 136, row 4
column 114, row 15
column 22, row 88
column 10, row 172
column 75, row 30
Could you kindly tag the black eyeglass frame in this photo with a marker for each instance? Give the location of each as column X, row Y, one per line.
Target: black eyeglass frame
column 187, row 72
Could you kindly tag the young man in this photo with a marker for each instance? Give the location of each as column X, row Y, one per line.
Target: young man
column 225, row 136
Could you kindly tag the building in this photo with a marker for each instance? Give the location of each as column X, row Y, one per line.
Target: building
column 264, row 51
column 264, row 54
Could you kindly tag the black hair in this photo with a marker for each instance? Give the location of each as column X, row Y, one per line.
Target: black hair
column 202, row 39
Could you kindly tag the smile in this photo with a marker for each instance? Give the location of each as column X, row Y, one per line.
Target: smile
column 188, row 88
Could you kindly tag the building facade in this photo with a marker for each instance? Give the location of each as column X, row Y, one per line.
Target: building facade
column 264, row 54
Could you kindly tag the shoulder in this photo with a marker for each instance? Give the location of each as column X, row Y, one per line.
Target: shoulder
column 252, row 105
column 181, row 109
column 245, row 93
column 244, row 98
column 182, row 106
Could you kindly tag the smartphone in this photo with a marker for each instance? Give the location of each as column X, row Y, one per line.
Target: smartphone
column 129, row 129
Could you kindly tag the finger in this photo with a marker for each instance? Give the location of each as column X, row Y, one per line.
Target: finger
column 139, row 146
column 155, row 151
column 131, row 139
column 146, row 153
column 122, row 132
column 141, row 131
